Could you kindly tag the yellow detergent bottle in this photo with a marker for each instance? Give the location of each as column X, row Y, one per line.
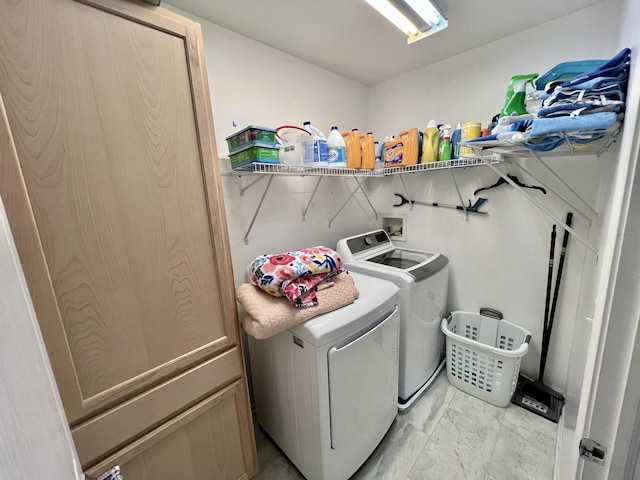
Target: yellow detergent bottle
column 368, row 151
column 352, row 142
column 430, row 143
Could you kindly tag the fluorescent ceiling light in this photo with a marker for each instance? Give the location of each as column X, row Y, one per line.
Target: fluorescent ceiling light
column 405, row 14
column 426, row 10
column 391, row 13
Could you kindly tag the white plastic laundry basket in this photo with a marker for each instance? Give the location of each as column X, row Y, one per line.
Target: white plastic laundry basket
column 484, row 353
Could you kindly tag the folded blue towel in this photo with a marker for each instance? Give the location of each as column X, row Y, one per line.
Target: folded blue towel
column 598, row 82
column 561, row 109
column 612, row 68
column 484, row 139
column 544, row 144
column 596, row 121
column 601, row 95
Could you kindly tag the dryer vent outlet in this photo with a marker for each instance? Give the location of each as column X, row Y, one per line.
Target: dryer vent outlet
column 395, row 225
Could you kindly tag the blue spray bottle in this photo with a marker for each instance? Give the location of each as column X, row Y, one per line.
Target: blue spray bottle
column 455, row 140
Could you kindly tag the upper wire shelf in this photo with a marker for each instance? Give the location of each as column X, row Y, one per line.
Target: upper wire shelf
column 304, row 170
column 575, row 143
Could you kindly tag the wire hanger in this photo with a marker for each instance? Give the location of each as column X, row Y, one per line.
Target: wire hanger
column 515, row 180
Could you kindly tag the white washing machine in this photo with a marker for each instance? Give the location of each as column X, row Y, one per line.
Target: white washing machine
column 326, row 390
column 423, row 279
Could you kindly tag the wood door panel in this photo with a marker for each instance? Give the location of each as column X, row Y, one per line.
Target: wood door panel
column 208, row 441
column 129, row 420
column 114, row 150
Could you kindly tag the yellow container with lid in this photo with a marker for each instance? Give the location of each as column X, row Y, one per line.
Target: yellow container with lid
column 470, row 130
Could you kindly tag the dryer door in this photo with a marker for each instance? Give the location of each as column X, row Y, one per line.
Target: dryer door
column 363, row 387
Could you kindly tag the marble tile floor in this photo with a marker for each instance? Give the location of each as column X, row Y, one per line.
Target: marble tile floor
column 446, row 435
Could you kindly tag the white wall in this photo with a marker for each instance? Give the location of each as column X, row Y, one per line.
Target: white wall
column 253, row 84
column 501, row 260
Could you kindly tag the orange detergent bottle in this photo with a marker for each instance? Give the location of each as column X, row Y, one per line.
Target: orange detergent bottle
column 402, row 151
column 352, row 142
column 368, row 151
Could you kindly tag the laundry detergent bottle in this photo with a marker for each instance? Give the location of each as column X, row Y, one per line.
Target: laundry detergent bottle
column 336, row 148
column 315, row 150
column 354, row 154
column 368, row 149
column 430, row 143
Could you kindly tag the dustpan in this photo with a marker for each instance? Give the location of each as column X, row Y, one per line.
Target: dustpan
column 534, row 395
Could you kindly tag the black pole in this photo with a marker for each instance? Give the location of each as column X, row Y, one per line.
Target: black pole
column 565, row 240
column 547, row 301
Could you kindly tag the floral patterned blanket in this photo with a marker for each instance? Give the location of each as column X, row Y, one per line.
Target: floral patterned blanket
column 297, row 275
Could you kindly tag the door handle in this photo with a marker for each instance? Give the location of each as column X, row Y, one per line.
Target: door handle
column 112, row 474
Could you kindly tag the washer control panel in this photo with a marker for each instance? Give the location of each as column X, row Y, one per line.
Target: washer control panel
column 368, row 241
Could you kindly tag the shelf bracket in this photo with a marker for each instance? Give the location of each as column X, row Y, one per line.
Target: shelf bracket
column 313, row 194
column 584, row 203
column 466, row 212
column 359, row 187
column 539, row 204
column 264, row 194
column 406, row 192
column 244, row 189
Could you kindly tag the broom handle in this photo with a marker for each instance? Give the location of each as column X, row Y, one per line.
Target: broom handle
column 565, row 240
column 547, row 301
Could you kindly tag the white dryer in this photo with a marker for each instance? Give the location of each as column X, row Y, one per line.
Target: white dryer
column 423, row 279
column 326, row 390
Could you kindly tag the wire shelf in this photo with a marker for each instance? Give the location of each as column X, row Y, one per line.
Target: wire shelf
column 304, row 170
column 575, row 143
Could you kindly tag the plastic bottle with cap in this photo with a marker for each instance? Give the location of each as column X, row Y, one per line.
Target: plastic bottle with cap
column 316, row 151
column 430, row 142
column 455, row 140
column 336, row 148
column 379, row 164
column 368, row 150
column 444, row 150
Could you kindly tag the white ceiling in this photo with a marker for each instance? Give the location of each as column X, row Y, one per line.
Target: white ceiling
column 350, row 38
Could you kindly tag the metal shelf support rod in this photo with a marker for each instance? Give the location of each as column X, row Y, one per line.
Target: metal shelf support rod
column 244, row 189
column 264, row 194
column 406, row 192
column 459, row 194
column 541, row 206
column 366, row 197
column 560, row 197
column 313, row 194
column 577, row 195
column 359, row 187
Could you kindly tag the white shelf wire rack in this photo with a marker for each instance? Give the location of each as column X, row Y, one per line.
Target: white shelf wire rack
column 360, row 176
column 483, row 153
column 574, row 144
column 308, row 170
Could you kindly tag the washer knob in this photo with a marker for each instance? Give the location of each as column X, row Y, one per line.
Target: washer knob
column 368, row 241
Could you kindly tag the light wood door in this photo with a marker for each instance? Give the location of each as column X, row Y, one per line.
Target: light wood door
column 115, row 200
column 203, row 443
